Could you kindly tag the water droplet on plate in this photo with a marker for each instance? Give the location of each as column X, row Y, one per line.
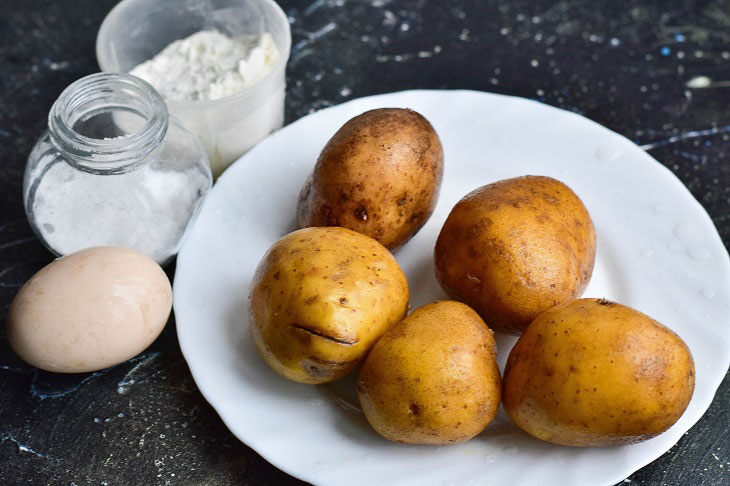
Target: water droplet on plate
column 607, row 154
column 660, row 208
column 685, row 231
column 675, row 247
column 646, row 252
column 315, row 402
column 708, row 293
column 698, row 252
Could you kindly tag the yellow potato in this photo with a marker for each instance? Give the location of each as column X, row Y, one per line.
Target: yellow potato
column 320, row 298
column 433, row 378
column 515, row 248
column 595, row 373
column 379, row 175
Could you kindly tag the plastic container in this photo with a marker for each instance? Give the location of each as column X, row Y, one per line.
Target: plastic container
column 136, row 30
column 92, row 181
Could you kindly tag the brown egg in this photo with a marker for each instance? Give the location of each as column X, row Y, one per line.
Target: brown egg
column 89, row 310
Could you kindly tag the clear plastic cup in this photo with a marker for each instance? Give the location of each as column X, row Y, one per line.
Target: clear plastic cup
column 136, row 30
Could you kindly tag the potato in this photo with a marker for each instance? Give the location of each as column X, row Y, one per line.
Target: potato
column 320, row 298
column 433, row 378
column 379, row 175
column 515, row 248
column 595, row 373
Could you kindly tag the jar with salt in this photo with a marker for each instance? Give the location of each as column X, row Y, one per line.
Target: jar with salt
column 114, row 169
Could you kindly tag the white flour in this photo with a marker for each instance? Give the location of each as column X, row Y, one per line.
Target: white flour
column 209, row 65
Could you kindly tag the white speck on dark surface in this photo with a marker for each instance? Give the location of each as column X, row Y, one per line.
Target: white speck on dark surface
column 130, row 379
column 22, row 447
column 690, row 134
column 699, row 82
column 389, row 18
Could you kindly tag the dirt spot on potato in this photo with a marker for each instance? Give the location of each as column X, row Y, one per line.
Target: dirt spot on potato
column 361, row 213
column 415, row 217
column 327, row 216
column 311, row 300
column 321, row 368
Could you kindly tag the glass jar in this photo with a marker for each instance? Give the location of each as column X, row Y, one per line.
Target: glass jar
column 114, row 169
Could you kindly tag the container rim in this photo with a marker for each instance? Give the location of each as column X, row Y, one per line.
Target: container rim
column 97, row 93
column 241, row 95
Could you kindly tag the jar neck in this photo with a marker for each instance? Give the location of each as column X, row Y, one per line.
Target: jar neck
column 108, row 123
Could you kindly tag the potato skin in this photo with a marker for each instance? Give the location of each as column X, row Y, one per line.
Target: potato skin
column 380, row 175
column 432, row 378
column 595, row 373
column 515, row 248
column 320, row 298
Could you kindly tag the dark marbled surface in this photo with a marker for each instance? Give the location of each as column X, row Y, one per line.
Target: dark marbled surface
column 656, row 72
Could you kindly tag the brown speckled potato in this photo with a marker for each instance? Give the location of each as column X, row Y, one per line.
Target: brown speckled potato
column 515, row 248
column 595, row 373
column 433, row 378
column 319, row 300
column 380, row 175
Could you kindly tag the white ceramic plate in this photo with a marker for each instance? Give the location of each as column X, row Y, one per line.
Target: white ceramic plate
column 658, row 251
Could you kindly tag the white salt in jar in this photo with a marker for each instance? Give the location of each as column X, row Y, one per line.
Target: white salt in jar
column 114, row 169
column 135, row 31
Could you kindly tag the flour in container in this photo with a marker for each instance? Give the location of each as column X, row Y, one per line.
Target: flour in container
column 209, row 65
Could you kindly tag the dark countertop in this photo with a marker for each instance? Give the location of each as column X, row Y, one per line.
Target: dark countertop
column 635, row 67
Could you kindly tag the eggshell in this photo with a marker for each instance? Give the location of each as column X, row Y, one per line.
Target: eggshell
column 89, row 310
